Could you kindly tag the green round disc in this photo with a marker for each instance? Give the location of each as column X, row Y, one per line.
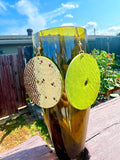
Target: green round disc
column 82, row 81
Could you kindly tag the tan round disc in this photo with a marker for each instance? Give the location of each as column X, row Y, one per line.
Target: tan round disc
column 43, row 82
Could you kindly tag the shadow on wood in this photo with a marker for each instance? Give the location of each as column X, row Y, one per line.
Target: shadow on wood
column 102, row 142
column 33, row 149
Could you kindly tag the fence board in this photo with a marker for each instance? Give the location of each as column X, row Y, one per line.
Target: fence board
column 16, row 80
column 3, row 87
column 6, row 86
column 12, row 91
column 21, row 67
column 1, row 90
column 12, row 83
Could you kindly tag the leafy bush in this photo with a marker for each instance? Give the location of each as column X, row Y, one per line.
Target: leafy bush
column 108, row 75
column 116, row 64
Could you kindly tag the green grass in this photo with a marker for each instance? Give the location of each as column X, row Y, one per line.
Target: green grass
column 19, row 130
column 39, row 126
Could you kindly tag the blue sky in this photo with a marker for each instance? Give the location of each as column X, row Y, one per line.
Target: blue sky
column 18, row 15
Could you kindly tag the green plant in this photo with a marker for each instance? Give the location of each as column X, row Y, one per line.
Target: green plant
column 108, row 75
column 116, row 64
column 39, row 126
column 17, row 130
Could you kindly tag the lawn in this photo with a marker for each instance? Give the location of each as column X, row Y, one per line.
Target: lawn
column 16, row 131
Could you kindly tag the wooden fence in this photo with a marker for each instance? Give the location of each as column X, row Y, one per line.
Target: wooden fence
column 12, row 91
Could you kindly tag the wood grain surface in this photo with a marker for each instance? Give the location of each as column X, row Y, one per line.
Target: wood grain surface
column 102, row 141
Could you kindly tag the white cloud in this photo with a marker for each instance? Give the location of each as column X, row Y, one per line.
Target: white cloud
column 99, row 32
column 90, row 25
column 2, row 7
column 68, row 24
column 69, row 5
column 52, row 14
column 91, row 28
column 9, row 5
column 102, row 32
column 54, row 21
column 59, row 11
column 69, row 15
column 114, row 30
column 35, row 20
column 12, row 6
column 38, row 21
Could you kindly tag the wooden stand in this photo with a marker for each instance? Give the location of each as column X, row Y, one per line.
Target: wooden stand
column 102, row 142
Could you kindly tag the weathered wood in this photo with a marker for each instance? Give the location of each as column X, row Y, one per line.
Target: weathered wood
column 103, row 136
column 16, row 79
column 8, row 88
column 3, row 82
column 12, row 84
column 1, row 89
column 33, row 149
column 21, row 67
column 102, row 142
column 12, row 90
